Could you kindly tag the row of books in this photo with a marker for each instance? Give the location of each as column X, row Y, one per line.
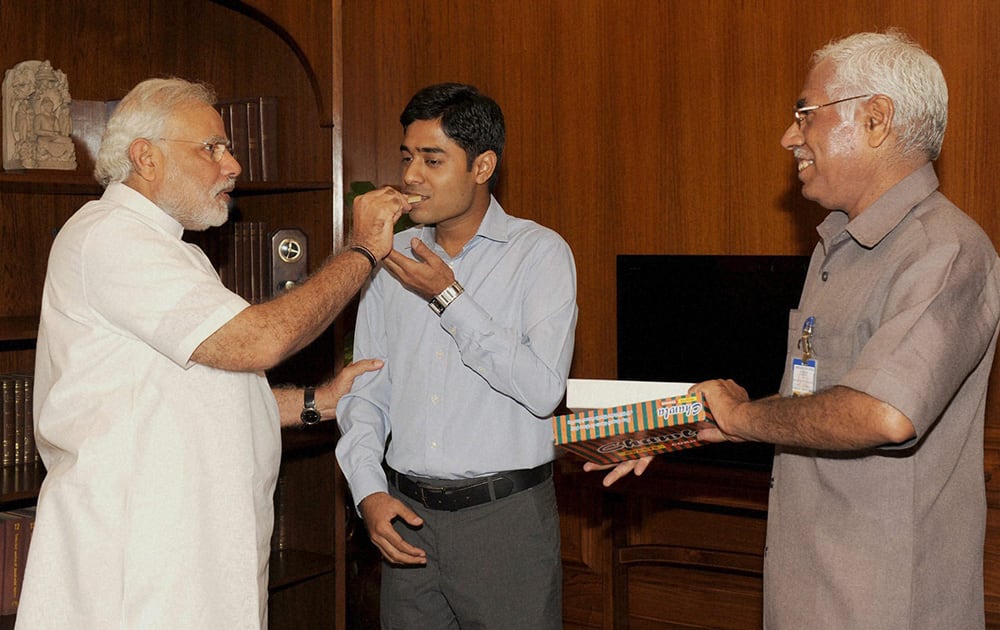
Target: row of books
column 89, row 120
column 241, row 251
column 18, row 424
column 16, row 527
column 251, row 124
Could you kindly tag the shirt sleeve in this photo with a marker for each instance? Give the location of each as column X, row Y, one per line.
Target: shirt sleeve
column 363, row 414
column 160, row 290
column 937, row 324
column 530, row 365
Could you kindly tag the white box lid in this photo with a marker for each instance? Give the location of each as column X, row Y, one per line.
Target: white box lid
column 583, row 394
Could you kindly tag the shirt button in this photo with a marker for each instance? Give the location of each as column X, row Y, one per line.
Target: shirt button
column 439, row 354
column 435, row 398
column 825, row 275
column 434, row 444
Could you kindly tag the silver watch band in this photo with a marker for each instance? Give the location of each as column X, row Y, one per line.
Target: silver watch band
column 441, row 301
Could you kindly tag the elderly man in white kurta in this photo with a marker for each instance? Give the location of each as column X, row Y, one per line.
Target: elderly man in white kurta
column 159, row 432
column 140, row 531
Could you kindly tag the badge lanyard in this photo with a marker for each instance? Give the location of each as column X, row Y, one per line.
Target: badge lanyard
column 804, row 367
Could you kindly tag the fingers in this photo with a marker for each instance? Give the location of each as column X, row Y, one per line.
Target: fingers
column 432, row 260
column 426, row 276
column 394, row 262
column 361, row 366
column 634, row 466
column 641, row 465
column 398, row 551
column 618, row 472
column 328, row 394
column 409, row 516
column 421, row 251
column 374, row 215
column 378, row 511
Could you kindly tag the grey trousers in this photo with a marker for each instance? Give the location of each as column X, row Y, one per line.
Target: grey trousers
column 495, row 566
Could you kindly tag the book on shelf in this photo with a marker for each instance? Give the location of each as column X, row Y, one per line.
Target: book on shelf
column 251, row 124
column 89, row 119
column 241, row 253
column 19, row 418
column 251, row 168
column 18, row 445
column 238, row 134
column 7, row 383
column 268, row 120
column 30, row 452
column 17, row 526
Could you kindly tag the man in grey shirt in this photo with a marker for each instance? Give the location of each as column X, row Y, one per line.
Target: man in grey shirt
column 877, row 509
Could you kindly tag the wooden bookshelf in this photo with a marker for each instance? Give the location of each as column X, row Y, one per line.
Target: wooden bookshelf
column 18, row 328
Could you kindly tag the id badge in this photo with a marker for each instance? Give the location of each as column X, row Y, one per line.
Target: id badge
column 803, row 377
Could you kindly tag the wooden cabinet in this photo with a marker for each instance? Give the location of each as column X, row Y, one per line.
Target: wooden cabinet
column 254, row 48
column 680, row 547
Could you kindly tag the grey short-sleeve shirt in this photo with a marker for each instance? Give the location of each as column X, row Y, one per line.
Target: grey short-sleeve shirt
column 906, row 301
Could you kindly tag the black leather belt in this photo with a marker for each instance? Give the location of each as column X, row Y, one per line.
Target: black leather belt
column 478, row 491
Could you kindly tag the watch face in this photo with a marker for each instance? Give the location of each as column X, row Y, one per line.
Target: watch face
column 309, row 416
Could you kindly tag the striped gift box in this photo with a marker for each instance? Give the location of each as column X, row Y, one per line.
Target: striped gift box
column 615, row 434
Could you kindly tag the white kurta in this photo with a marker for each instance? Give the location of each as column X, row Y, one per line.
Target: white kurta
column 157, row 508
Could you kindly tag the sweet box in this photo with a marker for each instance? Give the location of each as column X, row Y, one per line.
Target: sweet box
column 613, row 421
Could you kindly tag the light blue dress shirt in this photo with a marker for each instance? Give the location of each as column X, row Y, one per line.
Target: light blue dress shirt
column 469, row 393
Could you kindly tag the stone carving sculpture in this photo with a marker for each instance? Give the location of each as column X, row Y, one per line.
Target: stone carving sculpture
column 36, row 118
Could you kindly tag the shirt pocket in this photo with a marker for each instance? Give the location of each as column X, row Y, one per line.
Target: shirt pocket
column 831, row 349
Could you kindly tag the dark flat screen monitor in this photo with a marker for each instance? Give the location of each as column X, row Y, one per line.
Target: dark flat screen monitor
column 689, row 318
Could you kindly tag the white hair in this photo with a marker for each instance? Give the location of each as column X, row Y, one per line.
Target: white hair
column 892, row 64
column 143, row 113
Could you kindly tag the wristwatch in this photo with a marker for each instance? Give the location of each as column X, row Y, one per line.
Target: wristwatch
column 309, row 413
column 441, row 301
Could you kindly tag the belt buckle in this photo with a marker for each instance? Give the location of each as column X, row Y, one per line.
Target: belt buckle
column 430, row 496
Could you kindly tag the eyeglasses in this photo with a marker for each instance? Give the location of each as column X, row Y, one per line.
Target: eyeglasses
column 800, row 112
column 216, row 149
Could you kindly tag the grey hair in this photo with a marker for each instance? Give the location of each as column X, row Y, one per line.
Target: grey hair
column 143, row 113
column 892, row 64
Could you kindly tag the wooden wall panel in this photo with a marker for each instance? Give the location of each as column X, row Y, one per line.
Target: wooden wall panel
column 78, row 38
column 651, row 127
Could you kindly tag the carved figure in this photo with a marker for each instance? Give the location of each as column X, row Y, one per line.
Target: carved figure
column 37, row 121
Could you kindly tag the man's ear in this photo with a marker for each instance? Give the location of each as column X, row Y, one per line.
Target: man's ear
column 878, row 115
column 484, row 165
column 145, row 157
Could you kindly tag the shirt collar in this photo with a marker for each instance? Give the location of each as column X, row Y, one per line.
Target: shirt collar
column 495, row 226
column 134, row 200
column 888, row 211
